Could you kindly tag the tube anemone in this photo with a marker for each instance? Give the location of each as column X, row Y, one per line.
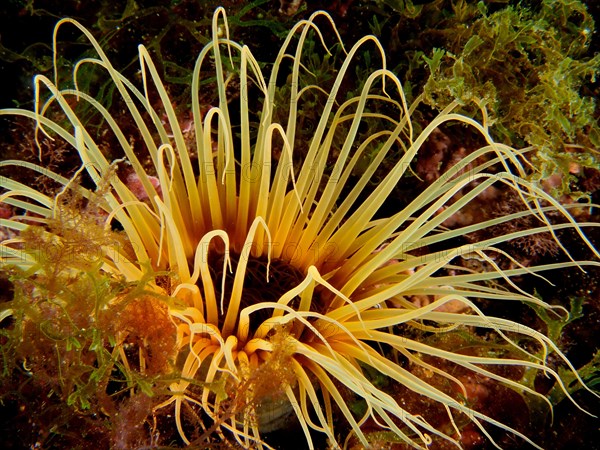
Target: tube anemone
column 285, row 283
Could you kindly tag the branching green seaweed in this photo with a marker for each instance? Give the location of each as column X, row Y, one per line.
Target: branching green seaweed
column 529, row 65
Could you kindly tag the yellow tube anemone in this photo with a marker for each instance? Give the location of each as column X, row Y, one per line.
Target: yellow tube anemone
column 285, row 287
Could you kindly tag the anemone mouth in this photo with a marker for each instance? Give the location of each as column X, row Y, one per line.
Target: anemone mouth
column 264, row 281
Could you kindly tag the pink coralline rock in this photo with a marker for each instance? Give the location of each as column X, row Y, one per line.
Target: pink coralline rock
column 6, row 211
column 431, row 158
column 134, row 183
